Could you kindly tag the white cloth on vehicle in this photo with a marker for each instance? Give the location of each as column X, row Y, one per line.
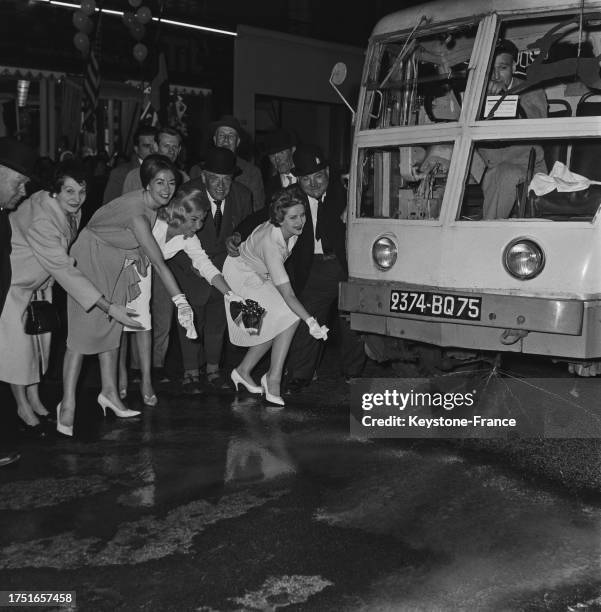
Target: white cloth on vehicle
column 561, row 179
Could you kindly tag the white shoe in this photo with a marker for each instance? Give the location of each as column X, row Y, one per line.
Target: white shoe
column 238, row 380
column 66, row 430
column 274, row 399
column 106, row 403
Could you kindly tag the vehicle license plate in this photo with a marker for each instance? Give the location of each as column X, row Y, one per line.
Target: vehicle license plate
column 430, row 304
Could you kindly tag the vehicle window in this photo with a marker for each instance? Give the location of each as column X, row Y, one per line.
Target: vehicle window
column 419, row 79
column 528, row 180
column 544, row 67
column 405, row 182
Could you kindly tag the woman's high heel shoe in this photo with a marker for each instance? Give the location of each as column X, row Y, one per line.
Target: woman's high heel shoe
column 106, row 403
column 66, row 430
column 273, row 399
column 150, row 400
column 238, row 380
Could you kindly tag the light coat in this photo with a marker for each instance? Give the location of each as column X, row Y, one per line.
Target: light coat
column 41, row 235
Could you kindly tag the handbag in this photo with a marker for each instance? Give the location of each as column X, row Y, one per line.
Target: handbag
column 41, row 317
column 247, row 315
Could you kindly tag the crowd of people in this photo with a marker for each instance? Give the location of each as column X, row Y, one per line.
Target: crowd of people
column 161, row 242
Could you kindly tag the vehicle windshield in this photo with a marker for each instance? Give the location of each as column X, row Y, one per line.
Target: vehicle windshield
column 428, row 100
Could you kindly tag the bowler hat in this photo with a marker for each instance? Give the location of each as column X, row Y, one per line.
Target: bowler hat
column 17, row 156
column 308, row 159
column 279, row 141
column 506, row 46
column 225, row 121
column 221, row 161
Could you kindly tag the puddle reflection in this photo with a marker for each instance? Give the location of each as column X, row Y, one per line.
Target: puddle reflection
column 258, row 453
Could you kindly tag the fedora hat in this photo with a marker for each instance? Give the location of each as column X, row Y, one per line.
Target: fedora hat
column 225, row 121
column 307, row 160
column 279, row 141
column 17, row 156
column 221, row 161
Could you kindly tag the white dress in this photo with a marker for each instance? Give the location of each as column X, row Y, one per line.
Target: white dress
column 191, row 246
column 255, row 274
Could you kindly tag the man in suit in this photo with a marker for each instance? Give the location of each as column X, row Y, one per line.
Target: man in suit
column 144, row 144
column 229, row 203
column 169, row 144
column 226, row 133
column 317, row 264
column 279, row 147
column 16, row 168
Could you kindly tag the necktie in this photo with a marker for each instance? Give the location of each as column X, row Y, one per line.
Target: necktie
column 319, row 222
column 218, row 216
column 72, row 219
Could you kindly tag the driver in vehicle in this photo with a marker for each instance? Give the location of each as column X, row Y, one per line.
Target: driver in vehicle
column 506, row 166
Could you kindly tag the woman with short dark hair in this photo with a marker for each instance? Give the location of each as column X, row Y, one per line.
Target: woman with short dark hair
column 114, row 250
column 155, row 163
column 258, row 273
column 43, row 227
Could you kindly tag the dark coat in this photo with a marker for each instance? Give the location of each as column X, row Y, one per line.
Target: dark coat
column 272, row 184
column 236, row 207
column 334, row 232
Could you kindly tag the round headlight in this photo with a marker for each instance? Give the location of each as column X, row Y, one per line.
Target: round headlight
column 523, row 259
column 384, row 252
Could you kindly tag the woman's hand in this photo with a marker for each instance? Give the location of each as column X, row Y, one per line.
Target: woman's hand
column 185, row 315
column 124, row 316
column 230, row 296
column 319, row 332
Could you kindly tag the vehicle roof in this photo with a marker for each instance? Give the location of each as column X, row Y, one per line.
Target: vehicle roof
column 441, row 11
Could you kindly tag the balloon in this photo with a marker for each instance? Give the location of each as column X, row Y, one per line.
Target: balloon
column 140, row 52
column 81, row 42
column 129, row 19
column 88, row 6
column 79, row 20
column 88, row 26
column 143, row 15
column 138, row 31
column 135, row 3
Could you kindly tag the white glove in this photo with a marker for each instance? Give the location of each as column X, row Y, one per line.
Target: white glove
column 185, row 315
column 319, row 332
column 230, row 296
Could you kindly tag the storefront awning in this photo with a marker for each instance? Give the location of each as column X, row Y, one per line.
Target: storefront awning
column 30, row 74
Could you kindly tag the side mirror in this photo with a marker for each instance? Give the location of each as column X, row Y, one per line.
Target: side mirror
column 337, row 77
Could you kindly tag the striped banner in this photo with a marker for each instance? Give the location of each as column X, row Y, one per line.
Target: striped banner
column 91, row 87
column 91, row 81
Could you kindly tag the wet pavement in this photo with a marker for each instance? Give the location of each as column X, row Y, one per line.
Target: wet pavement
column 222, row 503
